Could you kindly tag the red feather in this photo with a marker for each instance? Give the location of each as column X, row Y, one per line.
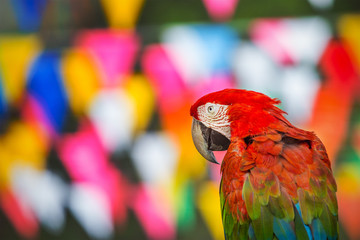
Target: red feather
column 271, row 163
column 249, row 112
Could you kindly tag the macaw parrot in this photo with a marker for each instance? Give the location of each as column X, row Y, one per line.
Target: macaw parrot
column 276, row 179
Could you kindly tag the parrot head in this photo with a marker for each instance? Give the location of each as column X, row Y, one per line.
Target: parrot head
column 219, row 116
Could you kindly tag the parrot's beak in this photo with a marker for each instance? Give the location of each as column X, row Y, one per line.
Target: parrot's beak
column 207, row 140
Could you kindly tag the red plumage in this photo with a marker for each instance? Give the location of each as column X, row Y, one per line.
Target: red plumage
column 271, row 163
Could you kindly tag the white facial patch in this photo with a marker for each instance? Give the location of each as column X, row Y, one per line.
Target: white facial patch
column 214, row 116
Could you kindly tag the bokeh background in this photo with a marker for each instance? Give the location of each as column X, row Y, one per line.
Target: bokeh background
column 95, row 136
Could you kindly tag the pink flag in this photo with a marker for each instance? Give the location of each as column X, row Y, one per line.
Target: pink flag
column 271, row 35
column 154, row 223
column 164, row 76
column 114, row 52
column 220, row 10
column 87, row 162
column 19, row 214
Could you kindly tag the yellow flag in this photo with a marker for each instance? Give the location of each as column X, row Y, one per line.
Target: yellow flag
column 21, row 146
column 81, row 79
column 122, row 13
column 6, row 164
column 209, row 205
column 143, row 96
column 349, row 27
column 348, row 179
column 16, row 55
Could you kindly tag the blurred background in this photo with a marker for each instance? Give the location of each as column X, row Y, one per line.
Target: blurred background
column 95, row 138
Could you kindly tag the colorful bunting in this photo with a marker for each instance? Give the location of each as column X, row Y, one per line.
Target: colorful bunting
column 81, row 79
column 335, row 98
column 287, row 42
column 29, row 13
column 221, row 10
column 91, row 208
column 200, row 52
column 44, row 192
column 122, row 13
column 349, row 30
column 168, row 84
column 16, row 56
column 86, row 160
column 46, row 86
column 113, row 52
column 142, row 96
column 20, row 146
column 155, row 157
column 208, row 198
column 256, row 70
column 20, row 215
column 151, row 214
column 298, row 89
column 112, row 114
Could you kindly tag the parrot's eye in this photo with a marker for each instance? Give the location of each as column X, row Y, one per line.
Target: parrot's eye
column 210, row 109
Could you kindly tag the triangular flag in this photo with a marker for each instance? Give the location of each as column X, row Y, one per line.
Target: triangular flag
column 165, row 78
column 20, row 146
column 209, row 204
column 115, row 128
column 22, row 218
column 29, row 13
column 151, row 216
column 16, row 54
column 46, row 86
column 96, row 171
column 220, row 10
column 81, row 79
column 122, row 13
column 199, row 52
column 142, row 95
column 113, row 51
column 350, row 34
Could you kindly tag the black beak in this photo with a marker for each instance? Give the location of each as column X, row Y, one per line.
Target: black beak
column 207, row 140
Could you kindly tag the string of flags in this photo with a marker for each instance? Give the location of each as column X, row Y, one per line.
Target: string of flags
column 124, row 14
column 119, row 114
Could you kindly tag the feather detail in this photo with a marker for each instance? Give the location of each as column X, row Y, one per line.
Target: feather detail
column 301, row 230
column 318, row 230
column 263, row 226
column 286, row 205
column 331, row 202
column 271, row 188
column 277, row 181
column 306, row 206
column 329, row 223
column 251, row 202
column 283, row 230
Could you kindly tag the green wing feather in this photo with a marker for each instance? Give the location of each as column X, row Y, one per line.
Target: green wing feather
column 263, row 225
column 285, row 173
column 233, row 228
